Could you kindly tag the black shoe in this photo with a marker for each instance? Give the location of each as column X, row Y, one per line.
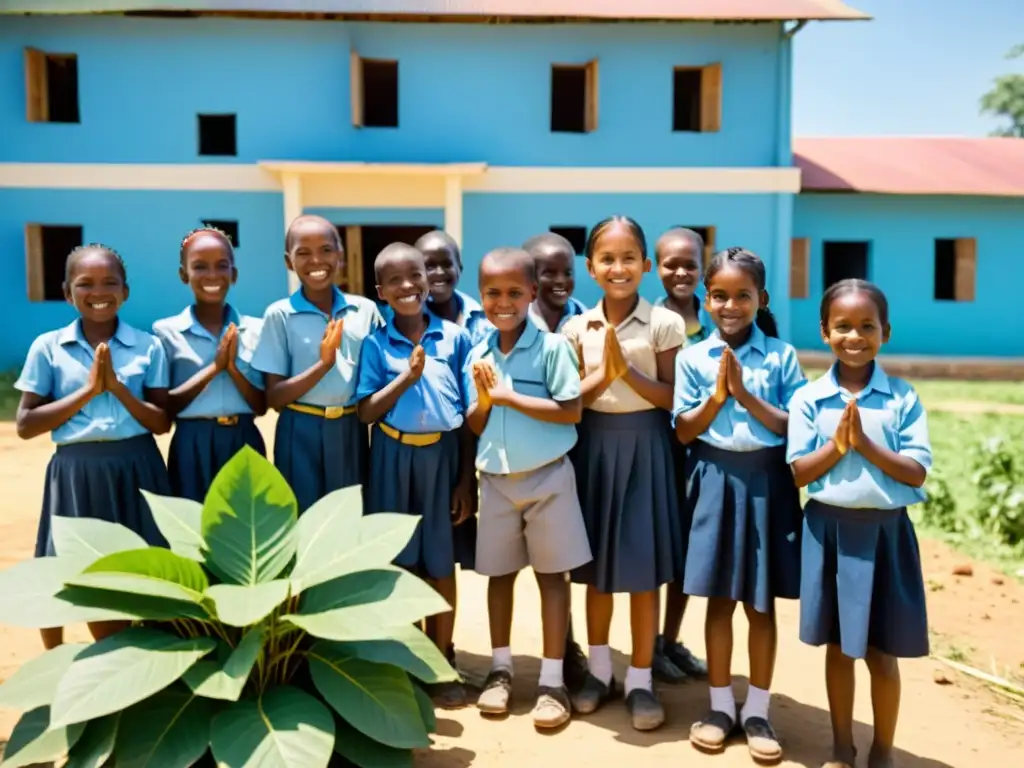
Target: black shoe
column 685, row 661
column 574, row 667
column 663, row 669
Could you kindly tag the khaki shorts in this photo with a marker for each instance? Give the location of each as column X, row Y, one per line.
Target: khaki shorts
column 531, row 518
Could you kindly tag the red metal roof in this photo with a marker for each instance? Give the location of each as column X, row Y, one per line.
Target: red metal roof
column 674, row 10
column 912, row 166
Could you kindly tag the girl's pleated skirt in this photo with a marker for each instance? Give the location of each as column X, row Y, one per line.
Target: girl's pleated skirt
column 318, row 455
column 200, row 447
column 418, row 480
column 745, row 526
column 624, row 477
column 101, row 480
column 862, row 585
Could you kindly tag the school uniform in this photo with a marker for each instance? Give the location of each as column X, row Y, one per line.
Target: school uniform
column 705, row 325
column 624, row 459
column 573, row 308
column 862, row 585
column 414, row 453
column 319, row 444
column 218, row 422
column 742, row 507
column 529, row 510
column 104, row 456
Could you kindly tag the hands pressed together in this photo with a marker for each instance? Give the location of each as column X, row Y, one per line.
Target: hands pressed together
column 490, row 391
column 102, row 376
column 331, row 342
column 730, row 379
column 850, row 432
column 227, row 350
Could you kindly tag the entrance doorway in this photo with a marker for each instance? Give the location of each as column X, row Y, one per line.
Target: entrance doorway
column 363, row 243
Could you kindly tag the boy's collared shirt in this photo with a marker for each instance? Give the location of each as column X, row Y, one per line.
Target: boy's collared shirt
column 58, row 365
column 290, row 343
column 573, row 308
column 470, row 316
column 190, row 348
column 891, row 414
column 539, row 365
column 437, row 401
column 771, row 372
column 693, row 335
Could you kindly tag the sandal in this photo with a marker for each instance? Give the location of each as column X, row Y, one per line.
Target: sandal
column 711, row 731
column 497, row 692
column 448, row 695
column 593, row 695
column 645, row 710
column 552, row 709
column 762, row 742
column 842, row 758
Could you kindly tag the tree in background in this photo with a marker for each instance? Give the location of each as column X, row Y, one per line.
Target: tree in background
column 1006, row 99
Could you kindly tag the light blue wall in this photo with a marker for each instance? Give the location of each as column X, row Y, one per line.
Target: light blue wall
column 466, row 92
column 902, row 233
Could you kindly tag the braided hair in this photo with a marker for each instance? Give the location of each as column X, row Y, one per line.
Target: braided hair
column 81, row 251
column 225, row 239
column 750, row 263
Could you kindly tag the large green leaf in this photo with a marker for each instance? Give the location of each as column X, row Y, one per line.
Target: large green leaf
column 284, row 728
column 325, row 534
column 409, row 649
column 122, row 670
column 35, row 682
column 216, row 681
column 180, row 521
column 249, row 521
column 96, row 745
column 377, row 699
column 36, row 739
column 169, row 730
column 89, row 537
column 29, row 594
column 134, row 606
column 242, row 606
column 426, row 709
column 367, row 753
column 153, row 571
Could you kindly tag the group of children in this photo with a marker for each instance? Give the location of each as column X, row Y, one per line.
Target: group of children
column 627, row 447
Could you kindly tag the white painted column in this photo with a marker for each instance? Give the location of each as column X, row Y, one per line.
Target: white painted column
column 453, row 207
column 291, row 185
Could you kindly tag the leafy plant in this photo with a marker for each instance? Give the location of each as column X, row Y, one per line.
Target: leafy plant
column 939, row 508
column 999, row 479
column 270, row 639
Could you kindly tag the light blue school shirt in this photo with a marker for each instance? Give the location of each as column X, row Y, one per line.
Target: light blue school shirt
column 891, row 414
column 290, row 343
column 573, row 307
column 58, row 365
column 707, row 326
column 539, row 365
column 438, row 400
column 190, row 348
column 771, row 372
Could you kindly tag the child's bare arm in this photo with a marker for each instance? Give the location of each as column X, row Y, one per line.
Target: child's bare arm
column 540, row 408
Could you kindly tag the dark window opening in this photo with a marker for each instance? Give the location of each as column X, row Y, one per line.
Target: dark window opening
column 844, row 260
column 62, row 88
column 380, row 94
column 686, row 99
column 229, row 228
column 372, row 239
column 218, row 135
column 568, row 99
column 945, row 270
column 575, row 235
column 57, row 242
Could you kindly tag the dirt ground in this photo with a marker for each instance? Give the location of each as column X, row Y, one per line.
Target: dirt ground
column 977, row 618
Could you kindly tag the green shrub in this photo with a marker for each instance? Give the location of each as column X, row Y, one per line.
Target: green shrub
column 270, row 639
column 999, row 479
column 939, row 509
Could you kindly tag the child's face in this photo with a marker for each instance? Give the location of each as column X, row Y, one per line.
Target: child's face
column 506, row 294
column 403, row 284
column 733, row 300
column 209, row 269
column 855, row 330
column 315, row 254
column 96, row 287
column 555, row 281
column 443, row 272
column 617, row 265
column 679, row 268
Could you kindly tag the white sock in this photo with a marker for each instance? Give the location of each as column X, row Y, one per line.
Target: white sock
column 599, row 660
column 756, row 704
column 551, row 673
column 723, row 701
column 501, row 658
column 638, row 678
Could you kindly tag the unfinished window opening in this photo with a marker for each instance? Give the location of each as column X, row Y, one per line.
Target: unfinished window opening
column 51, row 87
column 218, row 135
column 844, row 260
column 697, row 99
column 955, row 267
column 46, row 250
column 707, row 234
column 574, row 97
column 374, row 93
column 362, row 245
column 228, row 227
column 799, row 268
column 577, row 236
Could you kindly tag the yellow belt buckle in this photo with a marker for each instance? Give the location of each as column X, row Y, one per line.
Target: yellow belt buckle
column 421, row 441
column 227, row 421
column 334, row 411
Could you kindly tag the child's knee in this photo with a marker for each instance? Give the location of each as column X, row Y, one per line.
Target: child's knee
column 758, row 619
column 552, row 581
column 882, row 664
column 720, row 608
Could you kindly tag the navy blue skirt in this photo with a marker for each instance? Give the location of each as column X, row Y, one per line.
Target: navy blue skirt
column 862, row 585
column 318, row 455
column 200, row 447
column 101, row 480
column 418, row 481
column 624, row 477
column 745, row 526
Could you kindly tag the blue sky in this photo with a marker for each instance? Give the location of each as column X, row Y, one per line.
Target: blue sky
column 917, row 69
